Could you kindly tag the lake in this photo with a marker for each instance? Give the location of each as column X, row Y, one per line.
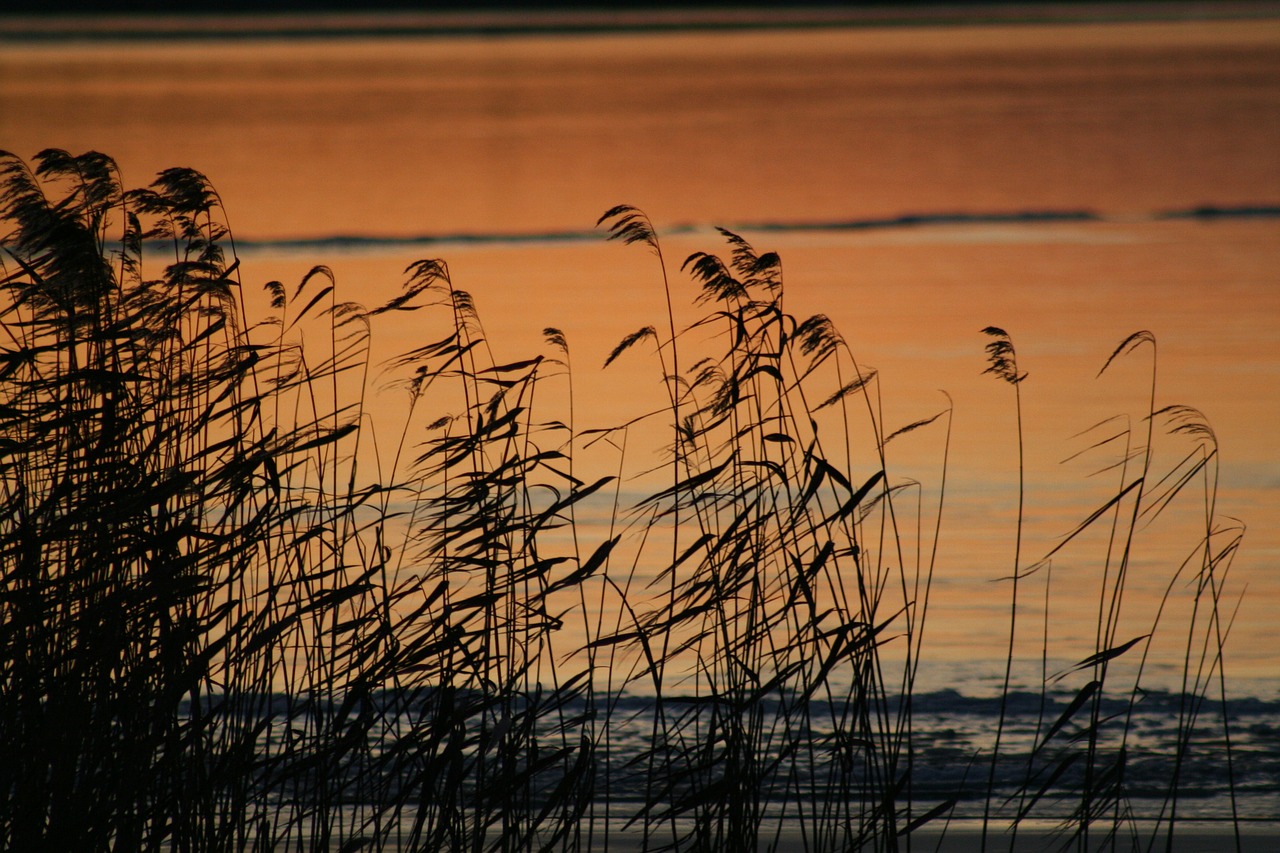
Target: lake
column 1071, row 184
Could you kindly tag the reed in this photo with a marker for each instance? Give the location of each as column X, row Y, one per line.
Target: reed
column 231, row 620
column 1087, row 750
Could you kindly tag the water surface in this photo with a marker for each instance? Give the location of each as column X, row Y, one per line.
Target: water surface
column 811, row 143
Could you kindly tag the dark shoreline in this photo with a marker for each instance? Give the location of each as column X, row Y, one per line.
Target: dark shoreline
column 359, row 242
column 254, row 26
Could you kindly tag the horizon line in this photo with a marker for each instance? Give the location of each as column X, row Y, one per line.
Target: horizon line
column 346, row 24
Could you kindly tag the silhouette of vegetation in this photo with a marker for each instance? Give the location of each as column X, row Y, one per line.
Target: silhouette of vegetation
column 229, row 620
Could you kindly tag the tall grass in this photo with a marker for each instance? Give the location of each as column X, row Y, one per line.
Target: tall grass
column 1085, row 753
column 233, row 619
column 786, row 577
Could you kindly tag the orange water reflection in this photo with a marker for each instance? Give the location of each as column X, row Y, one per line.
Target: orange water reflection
column 440, row 135
column 911, row 303
column 404, row 137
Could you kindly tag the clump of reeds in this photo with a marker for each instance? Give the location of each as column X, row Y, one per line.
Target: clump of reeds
column 218, row 632
column 229, row 620
column 1076, row 770
column 784, row 577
